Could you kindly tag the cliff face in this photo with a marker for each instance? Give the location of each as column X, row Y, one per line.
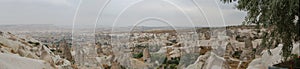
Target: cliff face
column 27, row 53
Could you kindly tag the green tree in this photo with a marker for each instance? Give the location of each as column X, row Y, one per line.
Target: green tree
column 280, row 17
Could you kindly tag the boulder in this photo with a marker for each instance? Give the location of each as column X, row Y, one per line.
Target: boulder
column 215, row 62
column 267, row 59
column 200, row 62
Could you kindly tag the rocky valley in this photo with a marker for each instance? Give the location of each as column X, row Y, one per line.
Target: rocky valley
column 232, row 47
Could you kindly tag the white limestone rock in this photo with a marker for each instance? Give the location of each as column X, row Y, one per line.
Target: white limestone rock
column 12, row 61
column 296, row 48
column 267, row 59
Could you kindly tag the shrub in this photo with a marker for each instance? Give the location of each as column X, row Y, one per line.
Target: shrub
column 139, row 55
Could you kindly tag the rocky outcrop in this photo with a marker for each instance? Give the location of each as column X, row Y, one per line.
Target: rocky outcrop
column 247, row 53
column 29, row 52
column 267, row 59
column 216, row 49
column 14, row 61
column 146, row 55
column 209, row 61
column 65, row 49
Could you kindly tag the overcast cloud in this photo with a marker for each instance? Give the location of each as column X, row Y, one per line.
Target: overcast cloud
column 120, row 12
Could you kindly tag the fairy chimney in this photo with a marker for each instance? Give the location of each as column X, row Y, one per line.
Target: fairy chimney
column 146, row 55
column 247, row 52
column 66, row 50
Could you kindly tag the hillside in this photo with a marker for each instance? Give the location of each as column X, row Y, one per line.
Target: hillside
column 27, row 53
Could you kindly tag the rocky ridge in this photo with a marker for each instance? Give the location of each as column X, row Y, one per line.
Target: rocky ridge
column 28, row 53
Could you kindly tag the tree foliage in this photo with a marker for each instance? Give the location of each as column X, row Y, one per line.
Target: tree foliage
column 279, row 17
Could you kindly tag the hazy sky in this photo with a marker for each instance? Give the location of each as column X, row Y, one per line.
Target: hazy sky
column 121, row 12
